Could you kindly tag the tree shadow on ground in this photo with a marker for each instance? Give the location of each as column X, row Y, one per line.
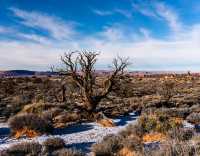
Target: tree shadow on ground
column 4, row 131
column 123, row 120
column 4, row 134
column 73, row 129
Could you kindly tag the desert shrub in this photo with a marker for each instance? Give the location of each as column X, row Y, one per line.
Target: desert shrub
column 170, row 112
column 181, row 134
column 66, row 117
column 195, row 108
column 67, row 152
column 167, row 90
column 151, row 124
column 51, row 113
column 133, row 143
column 158, row 123
column 37, row 108
column 30, row 122
column 147, row 123
column 173, row 112
column 23, row 149
column 174, row 148
column 52, row 144
column 110, row 145
column 196, row 141
column 154, row 123
column 194, row 118
column 37, row 80
column 133, row 129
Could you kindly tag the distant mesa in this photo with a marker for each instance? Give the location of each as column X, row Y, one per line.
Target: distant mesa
column 24, row 73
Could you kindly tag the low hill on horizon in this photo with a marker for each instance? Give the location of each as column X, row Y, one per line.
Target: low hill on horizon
column 16, row 73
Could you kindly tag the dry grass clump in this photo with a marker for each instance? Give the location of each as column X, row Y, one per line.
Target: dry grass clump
column 37, row 108
column 106, row 122
column 152, row 137
column 133, row 130
column 51, row 147
column 194, row 118
column 51, row 113
column 52, row 144
column 26, row 132
column 119, row 145
column 67, row 152
column 108, row 147
column 133, row 143
column 181, row 134
column 170, row 112
column 174, row 112
column 174, row 148
column 23, row 149
column 25, row 122
column 65, row 117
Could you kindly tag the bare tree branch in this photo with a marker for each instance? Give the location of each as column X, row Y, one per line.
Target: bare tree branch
column 80, row 65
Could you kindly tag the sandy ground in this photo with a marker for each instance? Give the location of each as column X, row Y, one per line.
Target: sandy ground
column 80, row 136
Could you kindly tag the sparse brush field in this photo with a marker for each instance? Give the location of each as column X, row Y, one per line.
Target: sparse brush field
column 167, row 109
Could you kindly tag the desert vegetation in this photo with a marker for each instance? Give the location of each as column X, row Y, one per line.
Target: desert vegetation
column 166, row 106
column 52, row 146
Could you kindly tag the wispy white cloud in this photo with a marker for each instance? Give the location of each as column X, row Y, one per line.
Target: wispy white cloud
column 123, row 12
column 169, row 15
column 4, row 29
column 34, row 38
column 126, row 13
column 145, row 9
column 56, row 27
column 159, row 11
column 102, row 12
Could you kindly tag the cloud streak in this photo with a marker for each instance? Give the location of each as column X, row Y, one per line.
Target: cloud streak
column 159, row 11
column 125, row 13
column 56, row 27
column 170, row 16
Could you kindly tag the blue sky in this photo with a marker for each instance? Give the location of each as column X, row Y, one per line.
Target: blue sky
column 155, row 34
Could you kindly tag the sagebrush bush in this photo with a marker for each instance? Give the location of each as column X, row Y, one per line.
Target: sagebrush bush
column 174, row 148
column 170, row 112
column 133, row 129
column 196, row 142
column 181, row 134
column 110, row 145
column 158, row 123
column 51, row 113
column 30, row 122
column 37, row 107
column 133, row 143
column 67, row 152
column 23, row 149
column 52, row 144
column 193, row 118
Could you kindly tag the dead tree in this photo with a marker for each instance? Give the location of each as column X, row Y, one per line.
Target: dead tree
column 80, row 65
